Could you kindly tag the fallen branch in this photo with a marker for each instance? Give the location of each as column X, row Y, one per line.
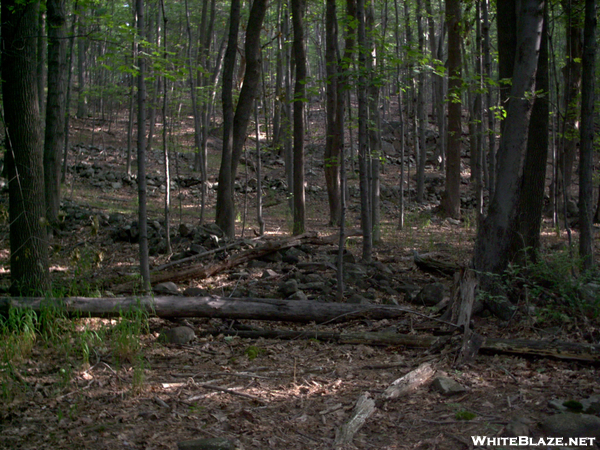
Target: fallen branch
column 202, row 271
column 525, row 347
column 217, row 307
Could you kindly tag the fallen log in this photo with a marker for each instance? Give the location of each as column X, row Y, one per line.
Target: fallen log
column 202, row 270
column 217, row 307
column 572, row 351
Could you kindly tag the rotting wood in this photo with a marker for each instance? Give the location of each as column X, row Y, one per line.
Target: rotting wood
column 572, row 351
column 214, row 307
column 364, row 408
column 202, row 270
column 410, row 382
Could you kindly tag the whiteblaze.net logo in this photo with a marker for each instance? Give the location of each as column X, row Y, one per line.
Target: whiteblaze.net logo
column 526, row 441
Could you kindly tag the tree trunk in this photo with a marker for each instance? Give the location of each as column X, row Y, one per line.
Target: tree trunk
column 55, row 106
column 333, row 140
column 363, row 145
column 374, row 131
column 24, row 150
column 299, row 94
column 141, row 152
column 421, row 108
column 42, row 53
column 531, row 200
column 586, row 243
column 81, row 97
column 572, row 77
column 225, row 210
column 495, row 234
column 451, row 196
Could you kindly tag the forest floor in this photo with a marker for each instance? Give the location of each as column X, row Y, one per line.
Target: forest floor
column 108, row 384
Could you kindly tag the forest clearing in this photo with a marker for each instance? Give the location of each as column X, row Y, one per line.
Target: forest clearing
column 251, row 225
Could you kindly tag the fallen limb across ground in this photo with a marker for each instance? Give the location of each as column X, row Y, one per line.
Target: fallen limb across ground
column 202, row 270
column 217, row 307
column 555, row 349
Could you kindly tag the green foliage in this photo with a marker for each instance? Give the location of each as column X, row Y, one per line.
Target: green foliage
column 254, row 352
column 464, row 415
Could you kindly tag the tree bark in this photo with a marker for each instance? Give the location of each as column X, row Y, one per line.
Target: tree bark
column 24, row 150
column 141, row 152
column 81, row 44
column 299, row 100
column 363, row 145
column 451, row 196
column 243, row 112
column 531, row 200
column 55, row 106
column 333, row 139
column 225, row 210
column 495, row 234
column 586, row 243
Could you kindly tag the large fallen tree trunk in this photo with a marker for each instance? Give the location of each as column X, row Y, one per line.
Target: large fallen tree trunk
column 203, row 270
column 218, row 307
column 555, row 349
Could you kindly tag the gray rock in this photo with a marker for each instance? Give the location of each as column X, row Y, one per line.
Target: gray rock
column 116, row 185
column 185, row 230
column 298, row 295
column 196, row 249
column 517, row 427
column 206, row 444
column 591, row 405
column 195, row 292
column 357, row 299
column 447, row 386
column 431, row 294
column 571, row 425
column 168, row 288
column 269, row 273
column 289, row 287
column 177, row 335
column 313, row 278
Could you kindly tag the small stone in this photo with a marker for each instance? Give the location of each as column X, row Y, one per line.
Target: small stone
column 357, row 299
column 289, row 287
column 269, row 273
column 431, row 294
column 116, row 185
column 195, row 292
column 185, row 230
column 177, row 335
column 517, row 427
column 447, row 386
column 167, row 288
column 298, row 295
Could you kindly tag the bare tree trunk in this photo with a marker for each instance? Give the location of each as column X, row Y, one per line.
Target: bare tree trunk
column 24, row 150
column 451, row 196
column 374, row 131
column 363, row 145
column 81, row 97
column 333, row 140
column 225, row 211
column 531, row 200
column 421, row 109
column 494, row 236
column 55, row 106
column 165, row 136
column 42, row 53
column 299, row 94
column 68, row 99
column 586, row 243
column 141, row 152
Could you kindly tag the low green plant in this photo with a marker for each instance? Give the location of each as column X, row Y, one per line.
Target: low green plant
column 254, row 352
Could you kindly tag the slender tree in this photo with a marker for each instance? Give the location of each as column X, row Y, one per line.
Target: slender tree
column 586, row 247
column 225, row 214
column 451, row 196
column 363, row 145
column 55, row 105
column 24, row 150
column 141, row 150
column 299, row 94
